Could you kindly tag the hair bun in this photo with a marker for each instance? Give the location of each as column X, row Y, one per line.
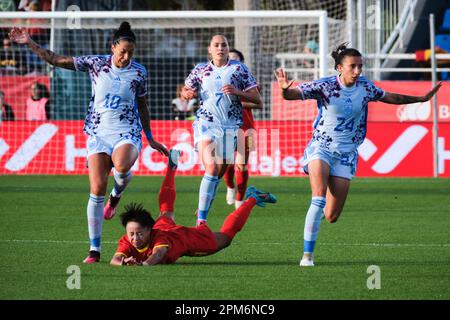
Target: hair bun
column 342, row 47
column 125, row 26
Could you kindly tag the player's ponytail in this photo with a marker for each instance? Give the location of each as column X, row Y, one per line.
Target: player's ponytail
column 124, row 33
column 341, row 52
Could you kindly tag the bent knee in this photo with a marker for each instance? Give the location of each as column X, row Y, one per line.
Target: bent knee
column 333, row 217
column 123, row 167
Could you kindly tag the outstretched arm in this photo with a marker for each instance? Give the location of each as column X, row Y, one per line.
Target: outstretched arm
column 156, row 257
column 284, row 84
column 144, row 115
column 121, row 260
column 117, row 260
column 396, row 98
column 20, row 35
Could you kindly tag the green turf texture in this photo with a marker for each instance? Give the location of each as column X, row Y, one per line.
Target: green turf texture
column 400, row 225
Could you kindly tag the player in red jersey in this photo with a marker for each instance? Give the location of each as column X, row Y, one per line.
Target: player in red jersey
column 242, row 155
column 147, row 242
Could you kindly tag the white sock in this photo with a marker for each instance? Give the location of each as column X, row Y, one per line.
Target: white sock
column 121, row 181
column 207, row 193
column 312, row 223
column 95, row 220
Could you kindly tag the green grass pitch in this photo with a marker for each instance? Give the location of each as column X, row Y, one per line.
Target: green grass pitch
column 399, row 225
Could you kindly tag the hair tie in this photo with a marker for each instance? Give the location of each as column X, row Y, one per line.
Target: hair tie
column 125, row 38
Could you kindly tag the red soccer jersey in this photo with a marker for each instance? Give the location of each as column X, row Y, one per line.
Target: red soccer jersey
column 247, row 118
column 180, row 241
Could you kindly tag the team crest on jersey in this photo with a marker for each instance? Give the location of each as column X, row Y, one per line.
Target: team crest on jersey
column 115, row 86
column 348, row 109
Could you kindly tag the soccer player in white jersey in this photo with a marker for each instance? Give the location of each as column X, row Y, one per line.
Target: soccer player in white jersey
column 330, row 159
column 220, row 84
column 116, row 115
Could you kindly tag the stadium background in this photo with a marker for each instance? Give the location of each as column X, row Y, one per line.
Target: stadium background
column 169, row 50
column 398, row 224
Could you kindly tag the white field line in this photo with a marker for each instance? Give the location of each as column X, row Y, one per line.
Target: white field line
column 392, row 245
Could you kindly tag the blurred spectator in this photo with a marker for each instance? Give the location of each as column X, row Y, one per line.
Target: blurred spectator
column 423, row 60
column 24, row 5
column 40, row 35
column 11, row 59
column 7, row 113
column 183, row 109
column 310, row 47
column 38, row 105
column 27, row 5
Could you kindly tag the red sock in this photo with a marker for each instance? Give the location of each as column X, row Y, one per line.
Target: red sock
column 167, row 193
column 241, row 182
column 228, row 177
column 236, row 220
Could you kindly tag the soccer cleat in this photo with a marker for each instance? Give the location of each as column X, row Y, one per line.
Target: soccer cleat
column 230, row 195
column 94, row 256
column 200, row 222
column 307, row 261
column 261, row 197
column 174, row 156
column 110, row 209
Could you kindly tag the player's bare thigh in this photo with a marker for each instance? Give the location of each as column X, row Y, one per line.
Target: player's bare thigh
column 124, row 157
column 99, row 167
column 243, row 154
column 319, row 172
column 336, row 195
column 208, row 155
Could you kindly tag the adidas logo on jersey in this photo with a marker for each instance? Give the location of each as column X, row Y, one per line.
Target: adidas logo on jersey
column 117, row 79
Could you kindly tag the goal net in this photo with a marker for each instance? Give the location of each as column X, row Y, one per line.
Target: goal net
column 169, row 44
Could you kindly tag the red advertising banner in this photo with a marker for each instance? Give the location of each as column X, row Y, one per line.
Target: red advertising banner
column 390, row 149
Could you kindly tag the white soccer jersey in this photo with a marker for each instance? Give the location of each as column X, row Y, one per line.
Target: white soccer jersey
column 113, row 105
column 216, row 107
column 341, row 123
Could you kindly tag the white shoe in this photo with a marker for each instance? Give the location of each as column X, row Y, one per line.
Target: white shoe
column 238, row 203
column 307, row 261
column 230, row 196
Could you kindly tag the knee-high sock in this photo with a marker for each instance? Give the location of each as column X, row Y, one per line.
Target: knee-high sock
column 167, row 192
column 207, row 193
column 235, row 221
column 312, row 223
column 121, row 181
column 228, row 177
column 95, row 220
column 241, row 182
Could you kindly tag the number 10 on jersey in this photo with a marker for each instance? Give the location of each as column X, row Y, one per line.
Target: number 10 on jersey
column 112, row 102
